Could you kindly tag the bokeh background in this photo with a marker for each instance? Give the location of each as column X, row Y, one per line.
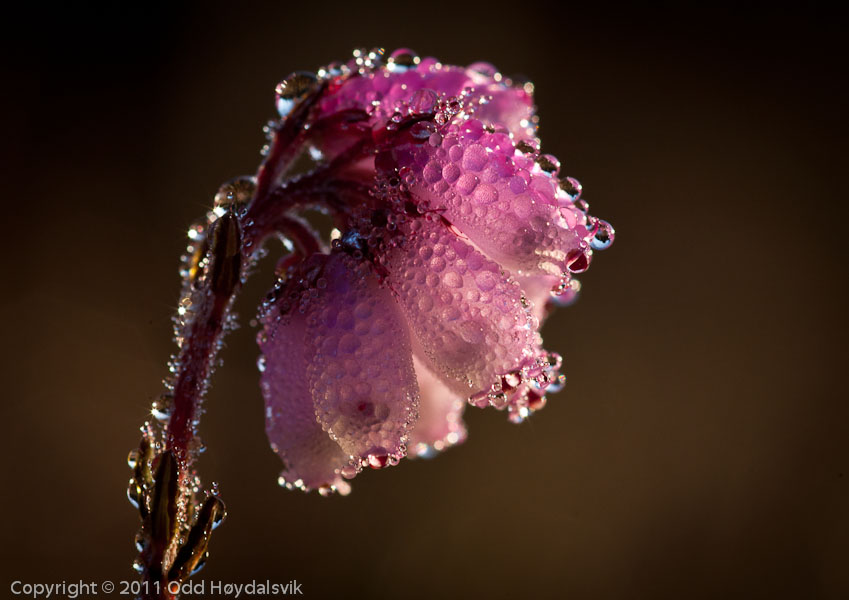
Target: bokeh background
column 699, row 449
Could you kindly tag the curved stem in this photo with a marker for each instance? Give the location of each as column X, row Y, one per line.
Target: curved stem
column 175, row 528
column 286, row 145
column 168, row 497
column 221, row 282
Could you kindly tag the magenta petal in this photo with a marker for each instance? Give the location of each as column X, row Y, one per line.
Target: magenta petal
column 361, row 371
column 393, row 89
column 503, row 106
column 503, row 200
column 468, row 319
column 381, row 91
column 312, row 459
column 440, row 423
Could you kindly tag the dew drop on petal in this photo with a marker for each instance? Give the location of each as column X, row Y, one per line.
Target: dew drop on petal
column 293, row 89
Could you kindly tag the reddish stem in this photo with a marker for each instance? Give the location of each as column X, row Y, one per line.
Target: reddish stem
column 200, row 347
column 285, row 147
column 229, row 241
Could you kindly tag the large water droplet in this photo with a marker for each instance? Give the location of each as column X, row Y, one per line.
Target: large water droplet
column 483, row 69
column 293, row 89
column 577, row 261
column 572, row 187
column 549, row 164
column 402, row 59
column 604, row 236
column 377, row 458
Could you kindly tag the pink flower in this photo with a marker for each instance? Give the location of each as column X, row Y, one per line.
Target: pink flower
column 455, row 236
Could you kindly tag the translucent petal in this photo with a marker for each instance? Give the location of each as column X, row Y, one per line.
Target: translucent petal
column 537, row 290
column 361, row 371
column 469, row 323
column 383, row 91
column 312, row 459
column 440, row 423
column 500, row 197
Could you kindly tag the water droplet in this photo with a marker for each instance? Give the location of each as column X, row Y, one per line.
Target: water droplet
column 510, row 381
column 577, row 261
column 134, row 493
column 402, row 59
column 480, row 400
column 572, row 187
column 556, row 385
column 423, row 101
column 161, row 408
column 535, row 401
column 293, row 89
column 566, row 293
column 549, row 164
column 484, row 69
column 498, row 401
column 235, row 192
column 377, row 458
column 604, row 236
column 526, row 147
column 348, row 471
column 133, row 459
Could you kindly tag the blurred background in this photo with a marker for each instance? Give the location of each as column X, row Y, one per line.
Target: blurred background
column 700, row 446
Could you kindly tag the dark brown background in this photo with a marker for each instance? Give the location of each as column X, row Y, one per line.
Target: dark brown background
column 700, row 446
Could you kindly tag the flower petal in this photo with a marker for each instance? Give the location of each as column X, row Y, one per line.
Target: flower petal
column 468, row 319
column 312, row 460
column 502, row 105
column 500, row 197
column 415, row 89
column 361, row 372
column 440, row 423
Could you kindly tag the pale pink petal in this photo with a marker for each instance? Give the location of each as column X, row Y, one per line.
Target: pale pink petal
column 538, row 293
column 394, row 88
column 440, row 423
column 361, row 371
column 468, row 319
column 499, row 196
column 312, row 460
column 502, row 105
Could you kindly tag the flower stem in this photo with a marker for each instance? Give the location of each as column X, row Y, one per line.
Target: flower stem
column 174, row 529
